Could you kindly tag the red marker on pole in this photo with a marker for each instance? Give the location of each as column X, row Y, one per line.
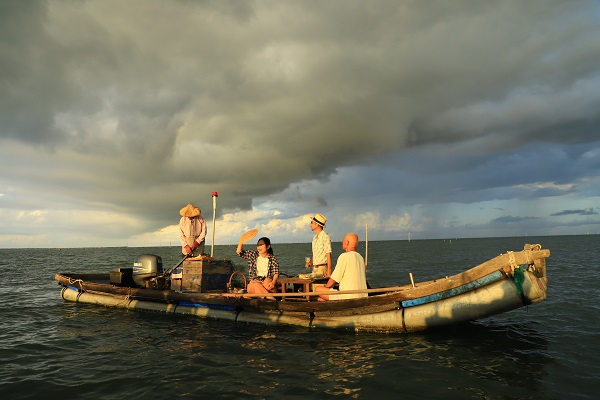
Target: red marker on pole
column 214, row 196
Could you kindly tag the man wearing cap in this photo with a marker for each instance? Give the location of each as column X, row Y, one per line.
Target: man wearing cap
column 192, row 231
column 321, row 248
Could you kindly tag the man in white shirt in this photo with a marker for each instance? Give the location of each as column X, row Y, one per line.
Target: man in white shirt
column 349, row 272
column 321, row 248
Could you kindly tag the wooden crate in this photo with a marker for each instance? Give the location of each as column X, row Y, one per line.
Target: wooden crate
column 205, row 275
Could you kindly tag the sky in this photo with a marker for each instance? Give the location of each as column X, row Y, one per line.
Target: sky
column 416, row 119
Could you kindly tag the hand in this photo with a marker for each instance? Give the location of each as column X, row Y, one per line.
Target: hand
column 187, row 249
column 195, row 244
column 308, row 264
column 268, row 284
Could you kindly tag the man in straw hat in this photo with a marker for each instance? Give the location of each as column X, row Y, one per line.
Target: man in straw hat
column 321, row 248
column 192, row 230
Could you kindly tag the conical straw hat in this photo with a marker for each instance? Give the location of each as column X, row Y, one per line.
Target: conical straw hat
column 190, row 211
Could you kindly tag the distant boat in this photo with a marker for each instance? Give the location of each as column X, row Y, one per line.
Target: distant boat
column 506, row 282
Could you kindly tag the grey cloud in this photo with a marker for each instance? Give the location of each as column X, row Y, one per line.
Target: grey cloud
column 321, row 202
column 510, row 219
column 588, row 211
column 155, row 103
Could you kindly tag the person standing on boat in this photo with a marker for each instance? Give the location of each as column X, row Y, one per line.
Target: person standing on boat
column 321, row 248
column 192, row 231
column 263, row 268
column 349, row 272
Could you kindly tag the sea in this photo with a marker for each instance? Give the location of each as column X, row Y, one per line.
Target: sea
column 53, row 349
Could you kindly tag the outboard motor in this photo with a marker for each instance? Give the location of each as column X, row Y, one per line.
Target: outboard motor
column 146, row 267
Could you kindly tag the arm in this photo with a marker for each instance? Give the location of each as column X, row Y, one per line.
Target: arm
column 328, row 264
column 182, row 237
column 202, row 235
column 273, row 273
column 199, row 238
column 330, row 283
column 250, row 256
column 327, row 246
column 270, row 284
column 273, row 268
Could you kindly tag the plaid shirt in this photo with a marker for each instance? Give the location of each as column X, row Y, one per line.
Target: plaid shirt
column 251, row 256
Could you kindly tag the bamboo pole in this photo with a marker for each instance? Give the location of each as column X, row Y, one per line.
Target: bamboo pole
column 366, row 247
column 214, row 196
column 304, row 294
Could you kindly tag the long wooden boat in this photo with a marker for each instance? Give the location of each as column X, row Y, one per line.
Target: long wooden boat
column 506, row 282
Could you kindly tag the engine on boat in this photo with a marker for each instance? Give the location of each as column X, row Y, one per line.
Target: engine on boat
column 145, row 267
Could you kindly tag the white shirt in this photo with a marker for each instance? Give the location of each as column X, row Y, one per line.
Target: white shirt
column 350, row 274
column 262, row 266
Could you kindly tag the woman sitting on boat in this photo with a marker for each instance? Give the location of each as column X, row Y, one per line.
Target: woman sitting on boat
column 263, row 268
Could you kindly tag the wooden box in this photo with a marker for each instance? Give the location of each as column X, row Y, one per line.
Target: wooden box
column 205, row 275
column 176, row 284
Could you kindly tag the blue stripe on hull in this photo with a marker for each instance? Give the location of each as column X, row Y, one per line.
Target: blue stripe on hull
column 204, row 305
column 486, row 280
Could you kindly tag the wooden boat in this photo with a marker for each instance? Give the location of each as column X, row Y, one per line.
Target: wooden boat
column 504, row 283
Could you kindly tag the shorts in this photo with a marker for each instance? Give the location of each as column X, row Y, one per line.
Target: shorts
column 334, row 296
column 319, row 271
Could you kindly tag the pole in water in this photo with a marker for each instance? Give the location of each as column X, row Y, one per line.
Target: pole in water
column 366, row 247
column 214, row 196
column 411, row 279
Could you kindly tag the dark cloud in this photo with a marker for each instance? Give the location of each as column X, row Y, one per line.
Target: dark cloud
column 509, row 219
column 589, row 211
column 321, row 202
column 142, row 106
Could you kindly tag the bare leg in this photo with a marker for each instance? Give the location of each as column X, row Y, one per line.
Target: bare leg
column 257, row 287
column 324, row 295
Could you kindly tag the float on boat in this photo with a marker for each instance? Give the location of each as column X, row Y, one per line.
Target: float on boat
column 206, row 287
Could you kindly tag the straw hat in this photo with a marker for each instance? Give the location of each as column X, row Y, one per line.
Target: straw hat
column 320, row 219
column 190, row 211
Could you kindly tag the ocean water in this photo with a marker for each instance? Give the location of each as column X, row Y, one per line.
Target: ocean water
column 50, row 348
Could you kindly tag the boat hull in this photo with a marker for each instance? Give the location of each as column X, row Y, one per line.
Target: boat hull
column 489, row 295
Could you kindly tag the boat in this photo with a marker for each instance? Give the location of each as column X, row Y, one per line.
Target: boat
column 512, row 280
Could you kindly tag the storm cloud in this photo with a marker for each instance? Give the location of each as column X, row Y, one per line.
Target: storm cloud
column 128, row 110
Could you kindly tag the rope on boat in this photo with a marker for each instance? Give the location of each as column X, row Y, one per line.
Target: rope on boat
column 73, row 281
column 80, row 289
column 519, row 278
column 518, row 274
column 511, row 261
